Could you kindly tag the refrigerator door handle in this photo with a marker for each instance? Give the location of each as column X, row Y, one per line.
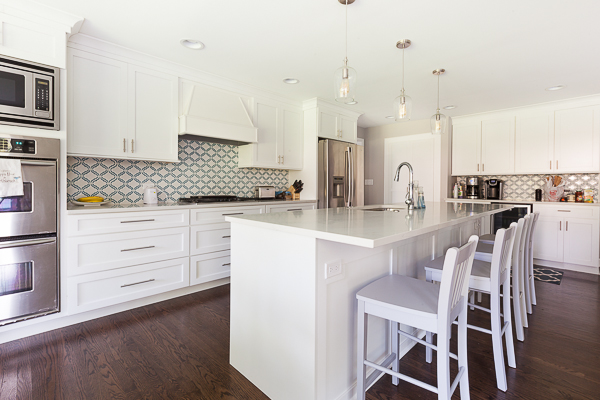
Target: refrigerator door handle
column 351, row 177
column 346, row 178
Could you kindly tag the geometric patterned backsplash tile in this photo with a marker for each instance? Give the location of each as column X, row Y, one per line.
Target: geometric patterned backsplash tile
column 522, row 187
column 204, row 169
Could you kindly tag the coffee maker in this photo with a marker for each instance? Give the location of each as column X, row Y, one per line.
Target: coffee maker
column 472, row 187
column 494, row 189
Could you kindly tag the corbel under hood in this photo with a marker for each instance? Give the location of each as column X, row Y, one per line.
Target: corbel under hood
column 215, row 115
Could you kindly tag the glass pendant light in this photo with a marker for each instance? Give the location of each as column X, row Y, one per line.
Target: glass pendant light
column 344, row 78
column 402, row 103
column 438, row 121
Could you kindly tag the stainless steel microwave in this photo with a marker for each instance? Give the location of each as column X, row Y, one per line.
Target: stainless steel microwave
column 29, row 94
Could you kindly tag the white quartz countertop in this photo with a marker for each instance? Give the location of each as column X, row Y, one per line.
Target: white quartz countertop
column 361, row 227
column 515, row 201
column 73, row 209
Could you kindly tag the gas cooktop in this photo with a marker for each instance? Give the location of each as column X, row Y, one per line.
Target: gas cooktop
column 217, row 199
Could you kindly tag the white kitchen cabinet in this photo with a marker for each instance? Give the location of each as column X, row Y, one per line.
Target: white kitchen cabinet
column 280, row 138
column 568, row 234
column 483, row 146
column 209, row 267
column 336, row 125
column 289, row 207
column 534, row 142
column 120, row 110
column 577, row 139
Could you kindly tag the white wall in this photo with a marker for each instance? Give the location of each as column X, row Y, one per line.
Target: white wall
column 374, row 155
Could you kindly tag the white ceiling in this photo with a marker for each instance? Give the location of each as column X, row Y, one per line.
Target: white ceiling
column 497, row 54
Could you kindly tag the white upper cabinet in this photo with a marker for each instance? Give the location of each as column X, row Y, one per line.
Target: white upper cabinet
column 348, row 128
column 280, row 138
column 534, row 142
column 338, row 126
column 119, row 110
column 577, row 139
column 466, row 148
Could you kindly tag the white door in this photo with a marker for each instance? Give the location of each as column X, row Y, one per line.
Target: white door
column 267, row 149
column 466, row 148
column 423, row 153
column 97, row 105
column 581, row 242
column 534, row 143
column 577, row 139
column 293, row 139
column 497, row 146
column 152, row 115
column 328, row 124
column 349, row 129
column 549, row 234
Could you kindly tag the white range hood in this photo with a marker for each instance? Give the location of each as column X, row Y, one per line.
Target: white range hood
column 215, row 115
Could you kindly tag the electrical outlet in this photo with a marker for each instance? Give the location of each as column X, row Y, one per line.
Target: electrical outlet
column 333, row 268
column 147, row 185
column 368, row 182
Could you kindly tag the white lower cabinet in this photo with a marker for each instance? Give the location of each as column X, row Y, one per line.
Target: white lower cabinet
column 290, row 207
column 210, row 238
column 106, row 288
column 568, row 234
column 209, row 267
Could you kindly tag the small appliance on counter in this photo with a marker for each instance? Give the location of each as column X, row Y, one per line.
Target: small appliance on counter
column 150, row 196
column 264, row 192
column 472, row 187
column 494, row 189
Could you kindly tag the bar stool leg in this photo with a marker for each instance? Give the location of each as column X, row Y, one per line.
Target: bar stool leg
column 395, row 350
column 497, row 343
column 443, row 363
column 462, row 354
column 508, row 335
column 428, row 351
column 361, row 339
column 517, row 300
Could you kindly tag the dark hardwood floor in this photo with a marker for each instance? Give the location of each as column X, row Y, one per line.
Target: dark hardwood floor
column 178, row 349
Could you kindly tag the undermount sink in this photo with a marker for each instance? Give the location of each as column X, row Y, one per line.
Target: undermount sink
column 386, row 209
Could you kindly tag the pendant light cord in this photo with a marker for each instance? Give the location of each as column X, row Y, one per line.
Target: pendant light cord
column 403, row 70
column 346, row 32
column 438, row 102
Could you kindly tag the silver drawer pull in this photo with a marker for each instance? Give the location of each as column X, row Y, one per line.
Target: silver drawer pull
column 225, row 265
column 138, row 283
column 295, row 209
column 139, row 220
column 139, row 248
column 225, row 237
column 234, row 214
column 564, row 210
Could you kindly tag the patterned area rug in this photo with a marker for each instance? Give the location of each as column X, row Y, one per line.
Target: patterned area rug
column 543, row 274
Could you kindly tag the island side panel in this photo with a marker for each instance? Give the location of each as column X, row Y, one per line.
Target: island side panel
column 273, row 320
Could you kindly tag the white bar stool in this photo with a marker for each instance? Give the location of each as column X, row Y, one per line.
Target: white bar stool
column 422, row 305
column 489, row 278
column 530, row 298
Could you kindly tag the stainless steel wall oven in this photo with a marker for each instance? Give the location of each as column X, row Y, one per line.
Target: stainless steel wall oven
column 29, row 263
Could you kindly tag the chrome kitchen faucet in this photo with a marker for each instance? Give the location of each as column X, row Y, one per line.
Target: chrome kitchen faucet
column 410, row 199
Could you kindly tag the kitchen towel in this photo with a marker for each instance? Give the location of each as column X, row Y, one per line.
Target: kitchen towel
column 11, row 178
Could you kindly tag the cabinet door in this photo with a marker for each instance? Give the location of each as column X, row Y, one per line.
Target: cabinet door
column 466, row 148
column 581, row 241
column 549, row 234
column 97, row 105
column 534, row 143
column 293, row 139
column 577, row 139
column 497, row 146
column 152, row 115
column 348, row 129
column 267, row 149
column 328, row 124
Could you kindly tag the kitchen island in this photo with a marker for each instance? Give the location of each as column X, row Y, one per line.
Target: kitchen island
column 294, row 278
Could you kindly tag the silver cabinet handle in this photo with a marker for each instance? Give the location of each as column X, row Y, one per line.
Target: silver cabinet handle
column 225, row 237
column 38, row 163
column 295, row 209
column 225, row 265
column 564, row 210
column 124, row 145
column 556, row 164
column 139, row 220
column 139, row 248
column 477, row 167
column 278, row 159
column 550, row 164
column 234, row 213
column 21, row 243
column 132, row 145
column 560, row 225
column 138, row 283
column 282, row 160
column 482, row 167
column 567, row 226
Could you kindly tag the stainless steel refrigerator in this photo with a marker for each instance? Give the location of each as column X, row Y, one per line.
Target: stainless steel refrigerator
column 341, row 174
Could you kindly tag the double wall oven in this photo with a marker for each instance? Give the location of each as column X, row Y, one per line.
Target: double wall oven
column 29, row 278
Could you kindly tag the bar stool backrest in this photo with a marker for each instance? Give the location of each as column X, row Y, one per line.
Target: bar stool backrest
column 502, row 254
column 454, row 285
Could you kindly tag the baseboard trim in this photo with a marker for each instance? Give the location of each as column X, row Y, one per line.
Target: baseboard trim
column 567, row 266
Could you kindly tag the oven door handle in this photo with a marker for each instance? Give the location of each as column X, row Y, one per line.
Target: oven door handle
column 21, row 243
column 39, row 163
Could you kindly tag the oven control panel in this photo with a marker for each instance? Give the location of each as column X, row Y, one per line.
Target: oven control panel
column 24, row 146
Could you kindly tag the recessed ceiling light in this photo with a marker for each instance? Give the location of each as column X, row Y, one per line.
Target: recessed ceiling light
column 192, row 44
column 352, row 103
column 557, row 87
column 390, row 117
column 449, row 107
column 291, row 81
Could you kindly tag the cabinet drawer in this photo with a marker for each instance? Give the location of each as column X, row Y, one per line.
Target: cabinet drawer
column 210, row 267
column 79, row 225
column 210, row 238
column 103, row 252
column 101, row 289
column 217, row 215
column 566, row 211
column 290, row 207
